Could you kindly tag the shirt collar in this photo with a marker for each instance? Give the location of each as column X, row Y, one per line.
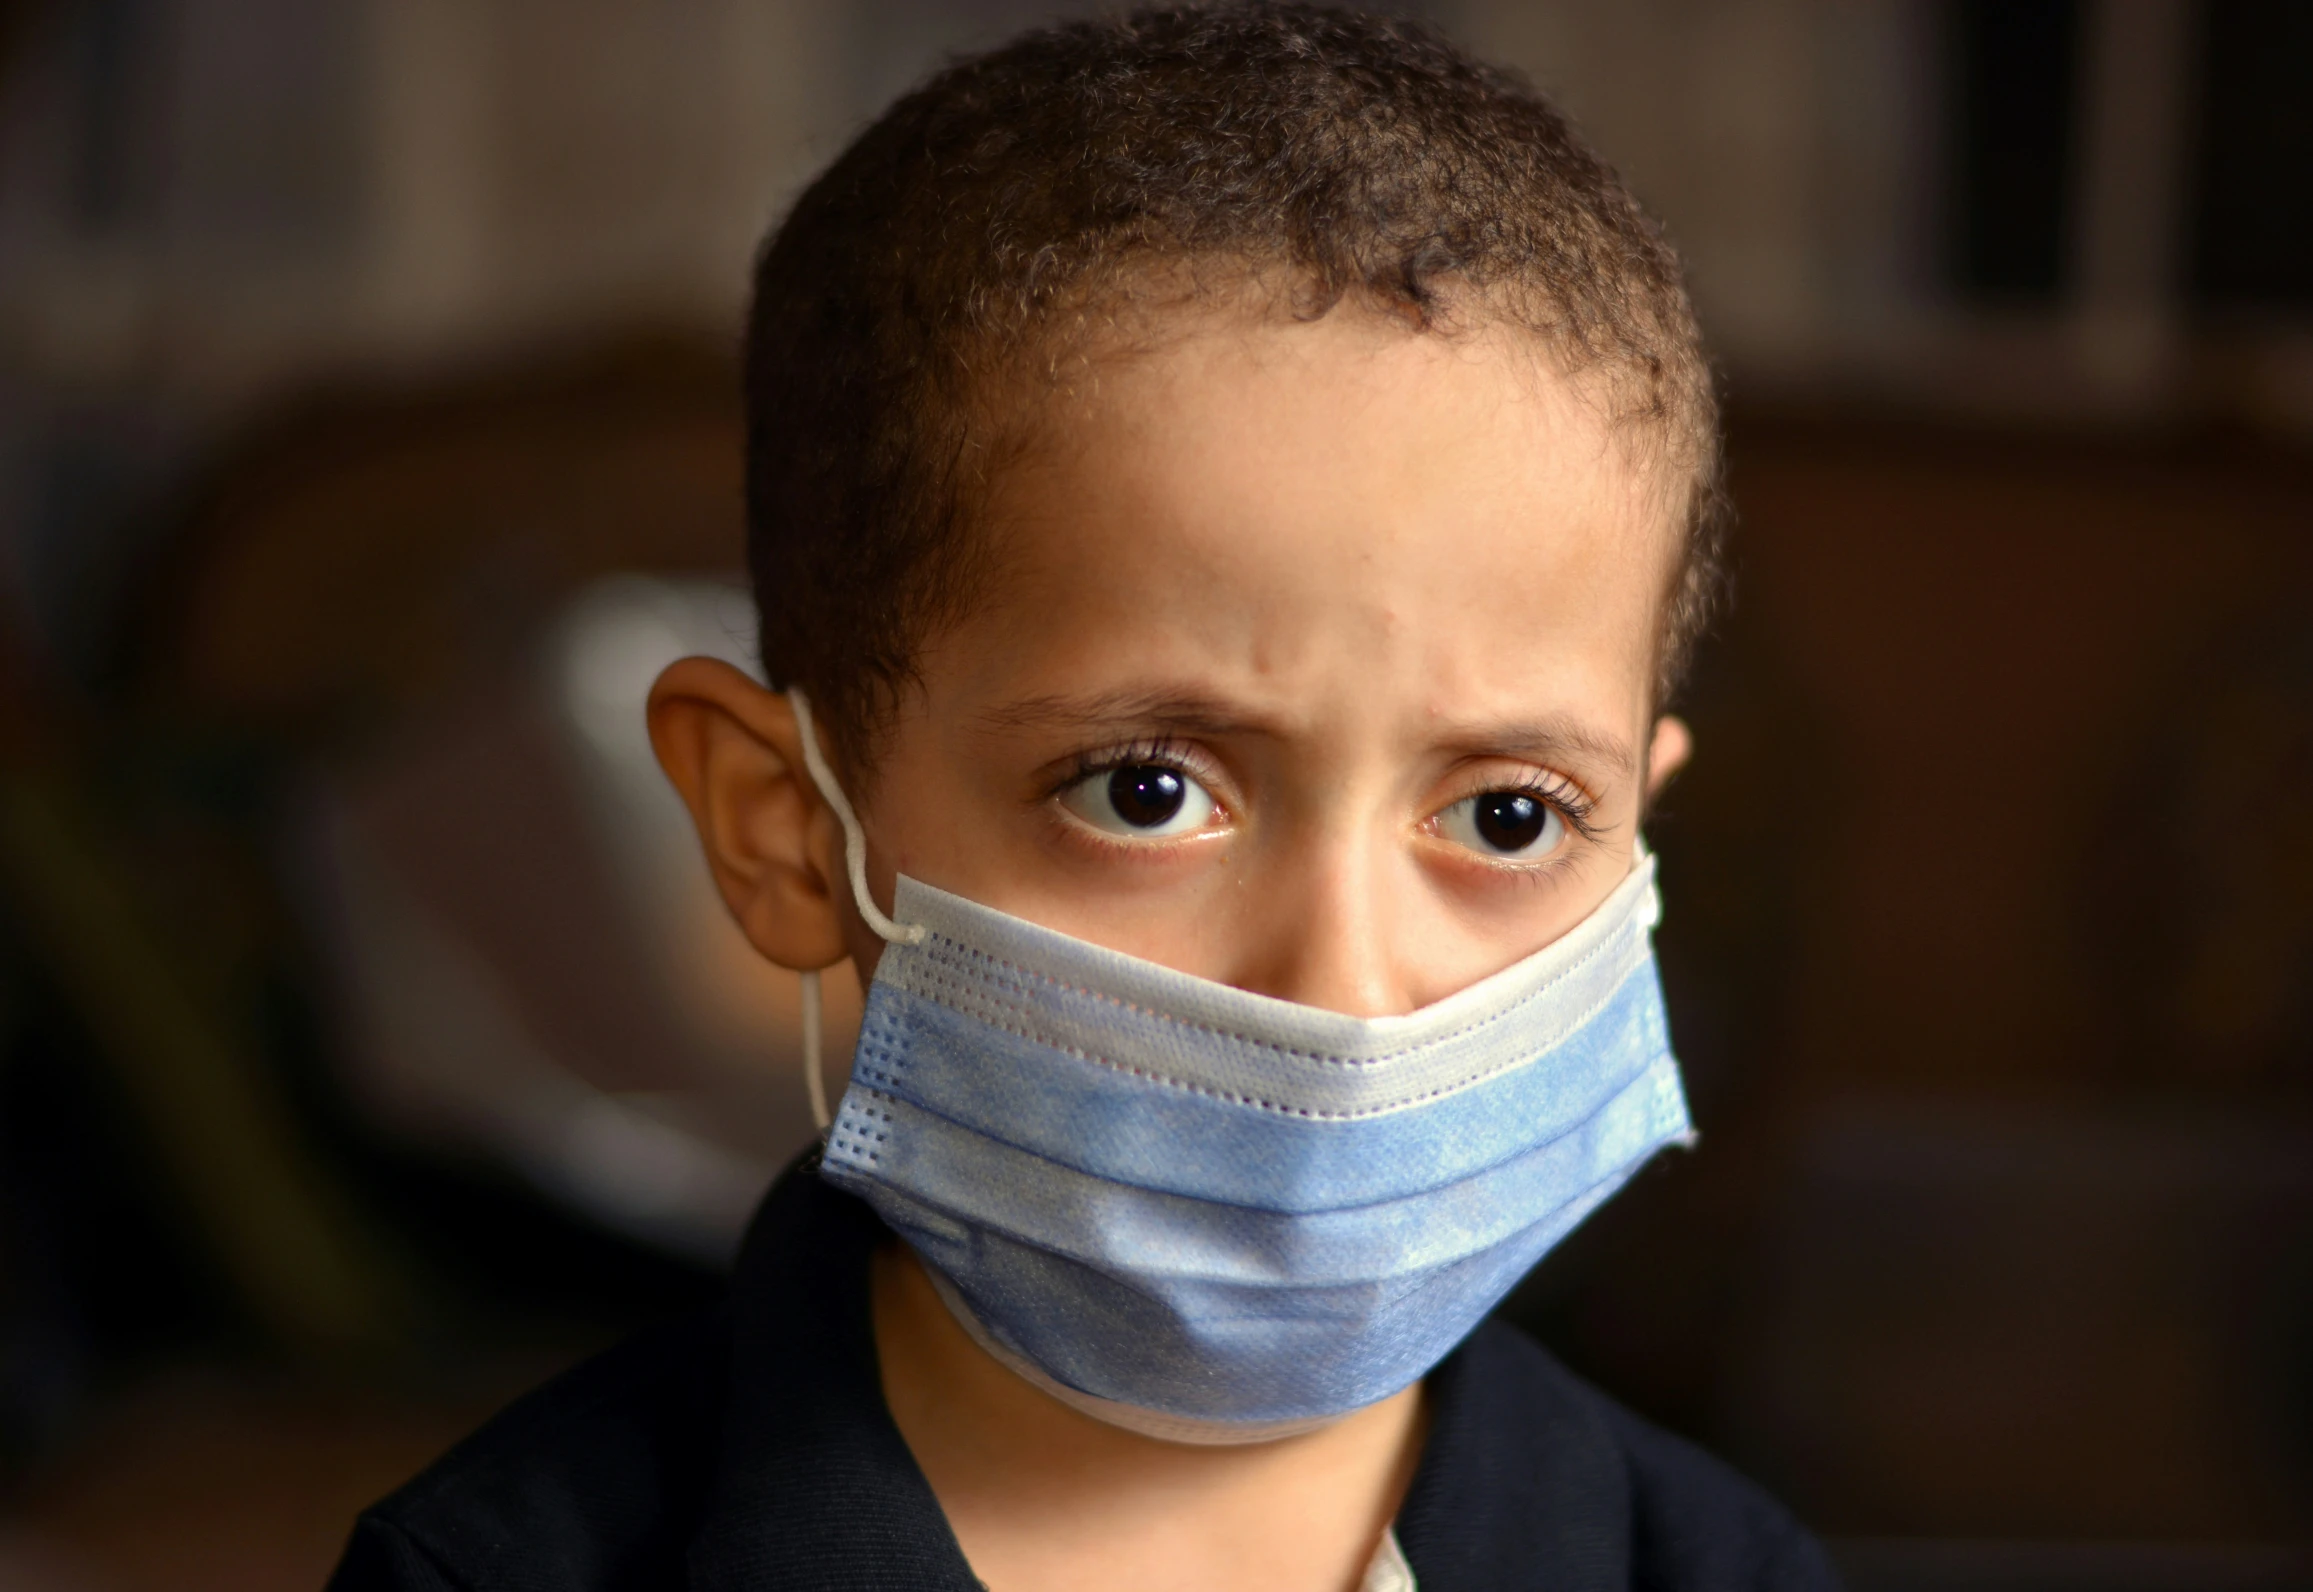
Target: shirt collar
column 815, row 1490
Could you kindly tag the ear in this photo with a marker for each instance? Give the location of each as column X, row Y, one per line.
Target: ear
column 735, row 753
column 1666, row 753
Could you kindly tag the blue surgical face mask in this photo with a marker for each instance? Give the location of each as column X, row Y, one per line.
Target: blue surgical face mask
column 1213, row 1216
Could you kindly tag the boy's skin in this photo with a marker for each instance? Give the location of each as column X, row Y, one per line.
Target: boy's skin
column 1346, row 575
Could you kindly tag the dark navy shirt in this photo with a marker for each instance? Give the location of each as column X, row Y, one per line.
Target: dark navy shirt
column 750, row 1448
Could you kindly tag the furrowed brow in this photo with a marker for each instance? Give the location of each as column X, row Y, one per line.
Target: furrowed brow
column 1169, row 712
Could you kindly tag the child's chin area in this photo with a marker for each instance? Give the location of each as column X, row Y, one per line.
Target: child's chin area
column 1320, row 663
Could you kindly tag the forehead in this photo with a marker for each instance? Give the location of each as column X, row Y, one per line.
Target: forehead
column 1305, row 508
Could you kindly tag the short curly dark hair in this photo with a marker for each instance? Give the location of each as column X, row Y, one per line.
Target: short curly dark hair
column 982, row 216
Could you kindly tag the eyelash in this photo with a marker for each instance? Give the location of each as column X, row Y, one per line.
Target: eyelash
column 1156, row 752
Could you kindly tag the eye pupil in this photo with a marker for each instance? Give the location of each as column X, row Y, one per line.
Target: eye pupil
column 1146, row 795
column 1508, row 821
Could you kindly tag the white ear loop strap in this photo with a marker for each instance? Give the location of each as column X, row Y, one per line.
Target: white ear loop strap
column 854, row 838
column 855, row 864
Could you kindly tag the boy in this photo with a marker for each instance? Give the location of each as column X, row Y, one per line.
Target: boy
column 1229, row 492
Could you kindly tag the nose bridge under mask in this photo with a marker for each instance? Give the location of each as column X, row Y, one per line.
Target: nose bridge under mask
column 1321, row 941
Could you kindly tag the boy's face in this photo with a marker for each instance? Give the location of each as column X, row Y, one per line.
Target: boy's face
column 1315, row 659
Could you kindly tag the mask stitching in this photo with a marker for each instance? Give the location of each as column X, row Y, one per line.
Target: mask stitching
column 942, row 941
column 992, row 1009
column 862, row 1140
column 870, row 1071
column 849, row 1123
column 875, row 1039
column 939, row 957
column 936, row 942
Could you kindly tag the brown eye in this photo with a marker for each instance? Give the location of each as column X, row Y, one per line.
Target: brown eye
column 1509, row 822
column 1146, row 796
column 1140, row 801
column 1504, row 823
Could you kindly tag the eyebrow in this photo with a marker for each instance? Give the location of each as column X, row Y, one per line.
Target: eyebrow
column 1180, row 712
column 1556, row 738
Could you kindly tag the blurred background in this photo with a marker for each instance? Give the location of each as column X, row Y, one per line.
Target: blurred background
column 371, row 1044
